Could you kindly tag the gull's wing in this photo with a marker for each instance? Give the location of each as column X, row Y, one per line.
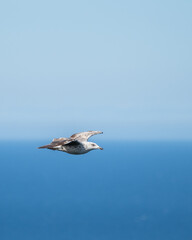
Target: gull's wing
column 59, row 142
column 84, row 136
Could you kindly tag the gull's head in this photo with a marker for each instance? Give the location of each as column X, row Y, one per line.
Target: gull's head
column 93, row 146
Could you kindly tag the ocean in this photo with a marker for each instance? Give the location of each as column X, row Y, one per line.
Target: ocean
column 128, row 191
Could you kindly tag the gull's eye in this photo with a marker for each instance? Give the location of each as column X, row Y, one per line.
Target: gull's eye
column 92, row 145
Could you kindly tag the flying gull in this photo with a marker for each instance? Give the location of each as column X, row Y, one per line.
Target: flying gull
column 76, row 144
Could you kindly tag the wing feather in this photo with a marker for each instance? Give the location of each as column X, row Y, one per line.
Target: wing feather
column 84, row 136
column 55, row 143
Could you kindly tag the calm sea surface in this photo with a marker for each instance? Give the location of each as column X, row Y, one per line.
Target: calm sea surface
column 131, row 190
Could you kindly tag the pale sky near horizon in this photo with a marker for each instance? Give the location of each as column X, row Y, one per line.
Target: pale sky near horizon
column 123, row 67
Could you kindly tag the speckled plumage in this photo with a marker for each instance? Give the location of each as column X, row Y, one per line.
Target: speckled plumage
column 76, row 144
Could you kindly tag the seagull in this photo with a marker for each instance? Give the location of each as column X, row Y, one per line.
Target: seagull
column 76, row 144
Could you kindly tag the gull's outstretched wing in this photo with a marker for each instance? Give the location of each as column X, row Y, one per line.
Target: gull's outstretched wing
column 59, row 142
column 84, row 136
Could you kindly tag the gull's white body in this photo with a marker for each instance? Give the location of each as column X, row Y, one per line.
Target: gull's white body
column 76, row 144
column 81, row 148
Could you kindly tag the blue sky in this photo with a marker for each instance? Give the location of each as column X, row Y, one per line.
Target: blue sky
column 123, row 67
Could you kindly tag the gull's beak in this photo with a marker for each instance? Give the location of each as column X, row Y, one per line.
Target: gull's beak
column 100, row 148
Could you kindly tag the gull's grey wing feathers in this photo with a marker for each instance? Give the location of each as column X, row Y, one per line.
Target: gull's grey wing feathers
column 58, row 139
column 58, row 142
column 84, row 136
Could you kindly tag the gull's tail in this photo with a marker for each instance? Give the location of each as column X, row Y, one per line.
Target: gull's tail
column 45, row 146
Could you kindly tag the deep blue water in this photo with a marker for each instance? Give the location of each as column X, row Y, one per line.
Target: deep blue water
column 131, row 190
